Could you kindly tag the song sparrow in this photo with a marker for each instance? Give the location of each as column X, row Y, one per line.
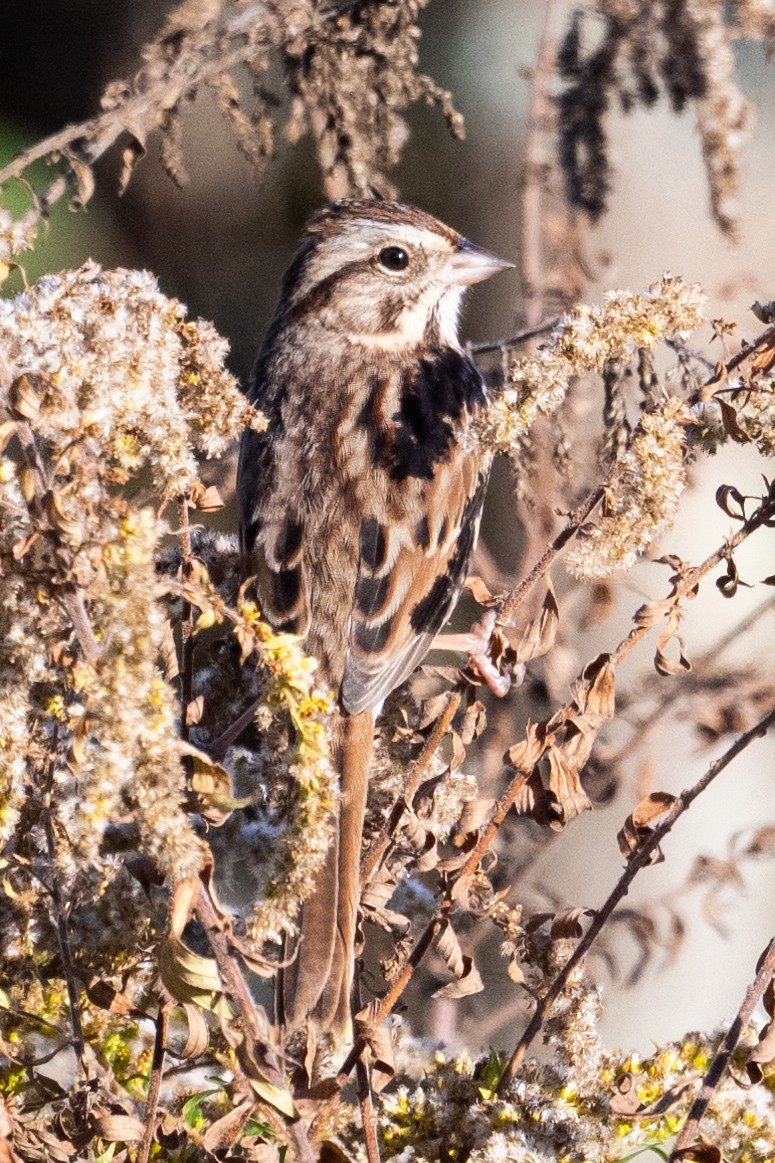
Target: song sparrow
column 360, row 504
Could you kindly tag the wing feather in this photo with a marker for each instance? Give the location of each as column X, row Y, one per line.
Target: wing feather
column 403, row 600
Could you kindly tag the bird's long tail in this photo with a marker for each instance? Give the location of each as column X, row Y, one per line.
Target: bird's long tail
column 318, row 982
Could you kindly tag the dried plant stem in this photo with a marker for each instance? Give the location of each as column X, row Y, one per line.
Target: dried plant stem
column 254, row 1023
column 154, row 1086
column 376, row 852
column 705, row 391
column 686, row 583
column 396, row 989
column 435, row 925
column 369, row 1119
column 536, row 167
column 688, row 687
column 542, row 328
column 575, row 520
column 186, row 623
column 753, row 996
column 639, row 859
column 71, row 596
column 87, row 141
column 60, row 917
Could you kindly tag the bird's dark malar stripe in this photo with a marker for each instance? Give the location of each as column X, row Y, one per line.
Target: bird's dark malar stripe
column 391, row 307
column 373, row 543
column 371, row 419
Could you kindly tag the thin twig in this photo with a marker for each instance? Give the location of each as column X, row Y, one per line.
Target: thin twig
column 686, row 584
column 376, row 852
column 154, row 1085
column 574, row 522
column 753, row 995
column 704, row 392
column 71, row 596
column 536, row 167
column 396, row 989
column 369, row 1120
column 543, row 328
column 639, row 859
column 60, row 914
column 434, row 926
column 87, row 141
column 254, row 1020
column 186, row 623
column 691, row 684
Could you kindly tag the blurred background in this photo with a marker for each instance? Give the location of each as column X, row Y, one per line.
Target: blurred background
column 221, row 243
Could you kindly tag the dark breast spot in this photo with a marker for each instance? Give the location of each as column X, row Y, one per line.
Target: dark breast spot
column 373, row 543
column 422, row 533
column 435, row 394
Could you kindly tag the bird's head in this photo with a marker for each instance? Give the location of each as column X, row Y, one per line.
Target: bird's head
column 383, row 274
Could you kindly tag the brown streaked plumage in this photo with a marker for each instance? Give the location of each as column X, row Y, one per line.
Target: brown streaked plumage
column 360, row 504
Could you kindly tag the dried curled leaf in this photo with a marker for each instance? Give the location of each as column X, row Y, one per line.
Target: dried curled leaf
column 379, row 1040
column 636, row 829
column 467, row 979
column 669, row 666
column 763, row 1053
column 539, row 635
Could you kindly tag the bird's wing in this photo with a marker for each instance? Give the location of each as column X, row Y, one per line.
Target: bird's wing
column 272, row 534
column 409, row 578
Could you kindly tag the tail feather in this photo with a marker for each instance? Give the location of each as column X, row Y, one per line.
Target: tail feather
column 318, row 983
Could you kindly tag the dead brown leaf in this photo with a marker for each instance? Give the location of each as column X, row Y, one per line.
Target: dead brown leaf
column 636, row 828
column 539, row 635
column 480, row 592
column 379, row 1040
column 467, row 979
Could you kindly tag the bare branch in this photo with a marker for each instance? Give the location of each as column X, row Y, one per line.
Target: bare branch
column 710, row 1082
column 640, row 859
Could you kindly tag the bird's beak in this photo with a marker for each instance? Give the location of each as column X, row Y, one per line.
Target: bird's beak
column 472, row 264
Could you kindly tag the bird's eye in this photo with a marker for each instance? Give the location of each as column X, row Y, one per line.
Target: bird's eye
column 393, row 258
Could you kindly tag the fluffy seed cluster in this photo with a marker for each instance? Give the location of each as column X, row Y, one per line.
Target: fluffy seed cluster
column 546, row 1116
column 101, row 379
column 584, row 341
column 644, row 500
column 125, row 715
column 16, row 235
column 297, row 849
column 116, row 359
